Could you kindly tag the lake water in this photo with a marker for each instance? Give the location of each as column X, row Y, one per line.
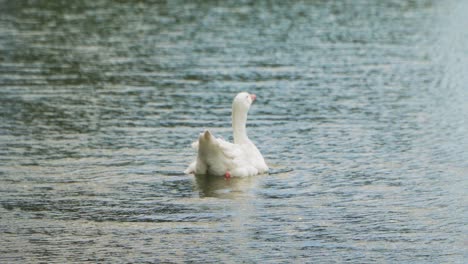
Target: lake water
column 361, row 114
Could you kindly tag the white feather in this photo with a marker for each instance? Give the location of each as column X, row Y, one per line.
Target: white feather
column 217, row 156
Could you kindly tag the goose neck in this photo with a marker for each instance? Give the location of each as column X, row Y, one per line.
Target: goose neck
column 239, row 120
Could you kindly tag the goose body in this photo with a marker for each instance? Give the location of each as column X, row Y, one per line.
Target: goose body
column 221, row 158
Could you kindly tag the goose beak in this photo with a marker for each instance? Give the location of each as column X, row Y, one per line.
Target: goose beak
column 253, row 97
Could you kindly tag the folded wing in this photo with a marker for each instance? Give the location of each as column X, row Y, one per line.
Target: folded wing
column 217, row 156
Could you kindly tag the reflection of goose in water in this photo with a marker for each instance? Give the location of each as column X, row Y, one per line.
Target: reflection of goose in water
column 221, row 158
column 215, row 186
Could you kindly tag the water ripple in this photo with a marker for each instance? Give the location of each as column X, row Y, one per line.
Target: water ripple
column 360, row 115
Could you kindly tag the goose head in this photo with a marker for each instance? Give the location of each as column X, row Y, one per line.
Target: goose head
column 243, row 101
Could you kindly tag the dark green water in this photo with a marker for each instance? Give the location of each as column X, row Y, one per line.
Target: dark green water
column 362, row 109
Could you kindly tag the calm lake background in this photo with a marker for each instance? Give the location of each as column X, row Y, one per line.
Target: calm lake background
column 361, row 114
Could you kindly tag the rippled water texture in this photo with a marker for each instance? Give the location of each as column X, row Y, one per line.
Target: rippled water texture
column 361, row 112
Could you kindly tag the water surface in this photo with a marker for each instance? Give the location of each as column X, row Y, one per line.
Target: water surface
column 361, row 112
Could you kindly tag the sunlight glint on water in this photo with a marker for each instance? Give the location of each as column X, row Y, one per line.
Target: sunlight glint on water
column 361, row 114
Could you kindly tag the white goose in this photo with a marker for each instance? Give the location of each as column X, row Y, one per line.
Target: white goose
column 221, row 158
